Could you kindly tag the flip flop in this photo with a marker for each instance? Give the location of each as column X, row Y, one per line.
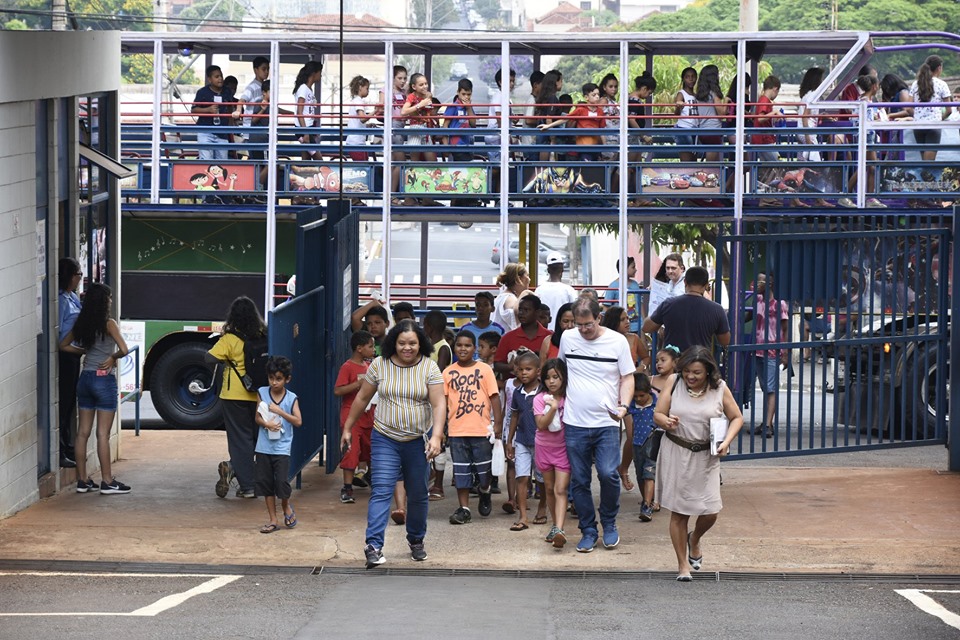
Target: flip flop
column 509, row 507
column 269, row 528
column 695, row 563
column 519, row 526
column 435, row 494
column 540, row 520
column 399, row 516
column 290, row 520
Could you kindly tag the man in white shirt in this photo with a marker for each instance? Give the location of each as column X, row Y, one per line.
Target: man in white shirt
column 599, row 388
column 555, row 293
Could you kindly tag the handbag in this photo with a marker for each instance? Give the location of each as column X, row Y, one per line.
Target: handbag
column 656, row 439
column 245, row 379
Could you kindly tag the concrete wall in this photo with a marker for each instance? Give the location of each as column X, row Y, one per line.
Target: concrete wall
column 37, row 65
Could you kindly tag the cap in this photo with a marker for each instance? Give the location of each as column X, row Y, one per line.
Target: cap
column 554, row 257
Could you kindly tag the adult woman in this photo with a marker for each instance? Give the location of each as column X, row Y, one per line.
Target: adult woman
column 688, row 476
column 616, row 318
column 710, row 103
column 239, row 405
column 928, row 87
column 564, row 321
column 97, row 336
column 513, row 283
column 308, row 76
column 68, row 305
column 410, row 407
column 686, row 108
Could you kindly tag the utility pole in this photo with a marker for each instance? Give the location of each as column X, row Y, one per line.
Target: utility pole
column 749, row 15
column 59, row 15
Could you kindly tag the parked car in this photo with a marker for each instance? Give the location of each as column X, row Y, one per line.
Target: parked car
column 458, row 70
column 513, row 253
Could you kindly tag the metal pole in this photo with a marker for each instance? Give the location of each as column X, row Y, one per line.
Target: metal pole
column 623, row 239
column 954, row 389
column 738, row 188
column 157, row 121
column 387, row 168
column 862, row 155
column 504, row 186
column 271, row 231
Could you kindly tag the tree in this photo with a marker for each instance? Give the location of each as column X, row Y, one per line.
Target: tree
column 138, row 69
column 433, row 14
column 15, row 25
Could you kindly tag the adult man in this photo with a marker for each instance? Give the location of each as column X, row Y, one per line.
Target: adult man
column 673, row 269
column 530, row 334
column 633, row 294
column 555, row 293
column 771, row 325
column 599, row 389
column 691, row 319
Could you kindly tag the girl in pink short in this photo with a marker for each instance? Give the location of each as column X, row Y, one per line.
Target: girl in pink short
column 550, row 453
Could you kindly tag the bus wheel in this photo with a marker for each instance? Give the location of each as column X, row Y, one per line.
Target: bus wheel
column 920, row 392
column 171, row 393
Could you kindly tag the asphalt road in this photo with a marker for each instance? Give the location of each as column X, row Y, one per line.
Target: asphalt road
column 305, row 606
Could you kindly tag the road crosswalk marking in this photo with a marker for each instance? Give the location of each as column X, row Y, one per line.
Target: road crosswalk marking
column 927, row 604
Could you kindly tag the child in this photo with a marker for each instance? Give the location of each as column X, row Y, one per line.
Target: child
column 523, row 427
column 360, row 114
column 434, row 325
column 585, row 116
column 487, row 343
column 460, row 115
column 472, row 399
column 211, row 103
column 306, row 79
column 483, row 302
column 666, row 366
column 551, row 447
column 510, row 385
column 639, row 443
column 403, row 311
column 371, row 317
column 279, row 413
column 346, row 387
column 418, row 110
column 543, row 315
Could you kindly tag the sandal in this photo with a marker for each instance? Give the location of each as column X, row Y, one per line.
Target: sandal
column 435, row 493
column 509, row 507
column 540, row 520
column 290, row 521
column 270, row 527
column 519, row 526
column 399, row 516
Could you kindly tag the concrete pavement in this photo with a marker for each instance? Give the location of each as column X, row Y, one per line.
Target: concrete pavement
column 834, row 520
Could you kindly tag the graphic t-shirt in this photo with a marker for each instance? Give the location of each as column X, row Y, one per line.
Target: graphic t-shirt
column 349, row 373
column 470, row 392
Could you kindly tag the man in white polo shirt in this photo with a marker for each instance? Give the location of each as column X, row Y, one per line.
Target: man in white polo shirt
column 599, row 389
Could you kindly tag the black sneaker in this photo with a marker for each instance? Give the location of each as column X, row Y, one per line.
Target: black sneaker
column 346, row 495
column 495, row 485
column 417, row 551
column 374, row 556
column 360, row 480
column 759, row 429
column 225, row 469
column 460, row 516
column 114, row 487
column 486, row 504
column 83, row 486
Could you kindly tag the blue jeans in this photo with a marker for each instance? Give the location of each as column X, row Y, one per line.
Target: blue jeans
column 391, row 460
column 584, row 446
column 212, row 153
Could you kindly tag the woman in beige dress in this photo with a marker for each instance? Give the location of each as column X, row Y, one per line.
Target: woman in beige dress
column 688, row 476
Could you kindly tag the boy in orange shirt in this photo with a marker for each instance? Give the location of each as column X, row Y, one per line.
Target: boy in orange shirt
column 472, row 394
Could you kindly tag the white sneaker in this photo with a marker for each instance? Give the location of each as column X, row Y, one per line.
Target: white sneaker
column 873, row 203
column 847, row 203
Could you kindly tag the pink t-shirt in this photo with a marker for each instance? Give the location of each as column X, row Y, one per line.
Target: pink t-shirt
column 767, row 328
column 546, row 438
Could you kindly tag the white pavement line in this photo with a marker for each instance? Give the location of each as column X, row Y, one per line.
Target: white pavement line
column 161, row 605
column 378, row 278
column 437, row 279
column 477, row 279
column 457, row 279
column 928, row 605
column 398, row 279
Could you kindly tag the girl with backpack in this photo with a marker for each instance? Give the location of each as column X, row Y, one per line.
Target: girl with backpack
column 243, row 325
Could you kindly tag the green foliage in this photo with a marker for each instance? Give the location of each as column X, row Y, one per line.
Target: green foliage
column 138, row 69
column 15, row 25
column 227, row 10
column 489, row 10
column 88, row 14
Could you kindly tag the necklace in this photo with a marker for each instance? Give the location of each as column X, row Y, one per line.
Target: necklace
column 696, row 394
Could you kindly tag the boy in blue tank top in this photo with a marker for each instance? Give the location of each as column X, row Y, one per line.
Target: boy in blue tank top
column 277, row 414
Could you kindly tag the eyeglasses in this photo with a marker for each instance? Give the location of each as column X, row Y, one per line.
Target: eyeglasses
column 586, row 326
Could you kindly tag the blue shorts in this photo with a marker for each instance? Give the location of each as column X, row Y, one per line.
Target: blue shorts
column 97, row 392
column 645, row 465
column 471, row 457
column 685, row 139
column 768, row 373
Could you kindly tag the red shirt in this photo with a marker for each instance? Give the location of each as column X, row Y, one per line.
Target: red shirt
column 513, row 340
column 420, row 119
column 588, row 117
column 349, row 373
column 764, row 108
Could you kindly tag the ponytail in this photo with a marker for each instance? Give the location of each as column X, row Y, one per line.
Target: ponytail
column 306, row 71
column 925, row 83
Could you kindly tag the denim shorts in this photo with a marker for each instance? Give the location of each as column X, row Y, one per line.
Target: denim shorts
column 646, row 466
column 471, row 457
column 97, row 392
column 768, row 373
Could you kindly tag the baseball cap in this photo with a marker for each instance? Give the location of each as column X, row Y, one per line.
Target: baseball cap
column 554, row 257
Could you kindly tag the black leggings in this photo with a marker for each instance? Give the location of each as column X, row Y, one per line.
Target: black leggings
column 67, row 386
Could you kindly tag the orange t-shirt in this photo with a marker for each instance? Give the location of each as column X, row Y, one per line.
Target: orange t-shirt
column 470, row 395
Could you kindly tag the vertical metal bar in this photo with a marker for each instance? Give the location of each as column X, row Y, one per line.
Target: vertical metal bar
column 386, row 219
column 136, row 380
column 862, row 155
column 623, row 239
column 424, row 261
column 944, row 284
column 736, row 257
column 271, row 224
column 504, row 186
column 156, row 121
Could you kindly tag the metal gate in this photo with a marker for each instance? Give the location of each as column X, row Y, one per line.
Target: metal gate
column 865, row 304
column 313, row 328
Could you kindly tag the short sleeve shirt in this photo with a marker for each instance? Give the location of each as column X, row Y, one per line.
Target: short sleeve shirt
column 403, row 411
column 252, row 95
column 764, row 108
column 470, row 392
column 349, row 373
column 691, row 319
column 513, row 340
column 545, row 437
column 309, row 104
column 229, row 349
column 643, row 424
column 206, row 95
column 941, row 93
column 767, row 327
column 594, row 370
column 522, row 405
column 421, row 118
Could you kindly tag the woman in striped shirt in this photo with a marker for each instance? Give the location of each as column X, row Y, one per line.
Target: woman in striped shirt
column 407, row 432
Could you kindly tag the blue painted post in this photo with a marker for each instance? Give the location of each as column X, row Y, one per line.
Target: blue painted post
column 954, row 424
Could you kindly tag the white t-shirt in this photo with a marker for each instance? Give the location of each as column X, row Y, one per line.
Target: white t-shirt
column 354, row 122
column 309, row 108
column 941, row 93
column 594, row 369
column 555, row 295
column 507, row 318
column 252, row 95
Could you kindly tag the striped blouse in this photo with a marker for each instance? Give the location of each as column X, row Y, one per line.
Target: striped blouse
column 403, row 411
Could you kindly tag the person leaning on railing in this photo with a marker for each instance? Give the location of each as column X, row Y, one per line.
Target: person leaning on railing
column 213, row 109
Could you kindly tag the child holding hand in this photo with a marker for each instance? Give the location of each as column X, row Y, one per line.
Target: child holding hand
column 550, row 452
